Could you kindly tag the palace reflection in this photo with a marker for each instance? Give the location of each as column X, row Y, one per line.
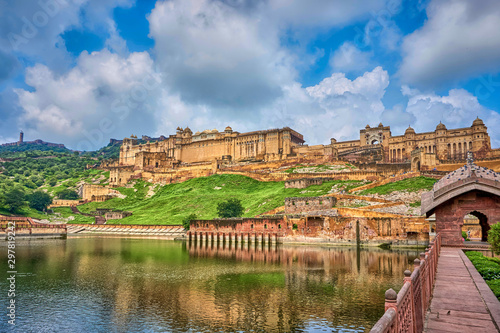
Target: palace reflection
column 137, row 285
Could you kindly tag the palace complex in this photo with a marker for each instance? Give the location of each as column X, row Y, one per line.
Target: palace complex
column 213, row 150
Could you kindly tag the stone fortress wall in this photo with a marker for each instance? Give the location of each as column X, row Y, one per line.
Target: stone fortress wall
column 186, row 155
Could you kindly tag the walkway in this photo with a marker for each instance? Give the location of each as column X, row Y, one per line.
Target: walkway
column 462, row 301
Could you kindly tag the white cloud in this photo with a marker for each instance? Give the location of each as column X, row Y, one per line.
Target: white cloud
column 458, row 109
column 215, row 55
column 459, row 40
column 336, row 107
column 33, row 28
column 348, row 58
column 104, row 95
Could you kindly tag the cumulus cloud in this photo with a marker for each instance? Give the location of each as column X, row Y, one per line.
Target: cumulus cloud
column 33, row 28
column 104, row 95
column 213, row 54
column 457, row 109
column 349, row 58
column 458, row 41
column 336, row 107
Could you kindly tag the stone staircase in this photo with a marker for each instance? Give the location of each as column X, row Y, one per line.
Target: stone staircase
column 161, row 231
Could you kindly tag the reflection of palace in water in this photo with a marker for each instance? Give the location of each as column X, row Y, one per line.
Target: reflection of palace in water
column 203, row 286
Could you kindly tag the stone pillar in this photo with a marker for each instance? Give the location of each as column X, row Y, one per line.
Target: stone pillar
column 274, row 238
column 240, row 238
column 391, row 301
column 210, row 237
column 233, row 238
column 260, row 238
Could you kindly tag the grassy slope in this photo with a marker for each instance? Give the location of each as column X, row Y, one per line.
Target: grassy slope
column 172, row 203
column 409, row 185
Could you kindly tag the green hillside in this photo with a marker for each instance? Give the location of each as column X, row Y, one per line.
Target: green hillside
column 172, row 203
column 7, row 151
column 408, row 185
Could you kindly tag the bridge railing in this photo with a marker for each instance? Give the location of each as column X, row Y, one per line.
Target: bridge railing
column 405, row 310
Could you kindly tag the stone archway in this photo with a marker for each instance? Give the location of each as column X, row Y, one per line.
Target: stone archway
column 483, row 222
column 415, row 163
column 375, row 142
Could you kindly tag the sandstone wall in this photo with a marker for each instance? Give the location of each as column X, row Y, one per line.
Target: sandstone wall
column 308, row 204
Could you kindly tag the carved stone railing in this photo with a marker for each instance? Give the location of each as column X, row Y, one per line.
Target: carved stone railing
column 405, row 311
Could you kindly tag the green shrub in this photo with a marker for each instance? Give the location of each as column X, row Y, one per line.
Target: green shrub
column 14, row 199
column 68, row 194
column 464, row 236
column 187, row 220
column 494, row 237
column 230, row 208
column 39, row 200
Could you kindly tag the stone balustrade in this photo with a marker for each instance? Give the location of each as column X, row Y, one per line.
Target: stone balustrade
column 405, row 311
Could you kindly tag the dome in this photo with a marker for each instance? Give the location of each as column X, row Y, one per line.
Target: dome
column 440, row 126
column 477, row 122
column 214, row 131
column 380, row 125
column 409, row 130
column 197, row 133
column 187, row 130
column 367, row 126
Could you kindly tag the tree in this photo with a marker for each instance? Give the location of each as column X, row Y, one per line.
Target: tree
column 68, row 194
column 494, row 237
column 39, row 200
column 14, row 199
column 230, row 208
column 187, row 220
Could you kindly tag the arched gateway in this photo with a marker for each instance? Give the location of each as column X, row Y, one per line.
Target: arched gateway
column 471, row 190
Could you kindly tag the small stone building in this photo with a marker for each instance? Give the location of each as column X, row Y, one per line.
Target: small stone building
column 470, row 189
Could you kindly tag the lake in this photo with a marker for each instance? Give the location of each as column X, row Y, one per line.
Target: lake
column 149, row 285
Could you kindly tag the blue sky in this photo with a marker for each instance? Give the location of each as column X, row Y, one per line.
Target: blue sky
column 80, row 72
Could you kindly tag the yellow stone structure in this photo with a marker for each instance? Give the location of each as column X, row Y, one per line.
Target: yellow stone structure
column 186, row 155
column 209, row 145
column 443, row 143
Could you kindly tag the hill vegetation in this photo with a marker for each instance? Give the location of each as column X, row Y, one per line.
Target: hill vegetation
column 405, row 185
column 46, row 171
column 172, row 203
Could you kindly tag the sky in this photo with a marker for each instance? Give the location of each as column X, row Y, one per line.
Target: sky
column 80, row 72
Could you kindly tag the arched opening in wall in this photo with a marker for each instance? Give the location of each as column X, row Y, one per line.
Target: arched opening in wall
column 375, row 142
column 475, row 225
column 415, row 165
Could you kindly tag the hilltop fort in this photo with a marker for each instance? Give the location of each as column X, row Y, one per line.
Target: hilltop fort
column 186, row 154
column 21, row 142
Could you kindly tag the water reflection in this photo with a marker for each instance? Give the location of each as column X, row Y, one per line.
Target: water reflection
column 124, row 285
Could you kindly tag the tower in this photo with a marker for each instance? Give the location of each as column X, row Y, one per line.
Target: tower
column 21, row 137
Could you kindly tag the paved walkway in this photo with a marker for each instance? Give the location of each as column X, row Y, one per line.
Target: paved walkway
column 462, row 301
